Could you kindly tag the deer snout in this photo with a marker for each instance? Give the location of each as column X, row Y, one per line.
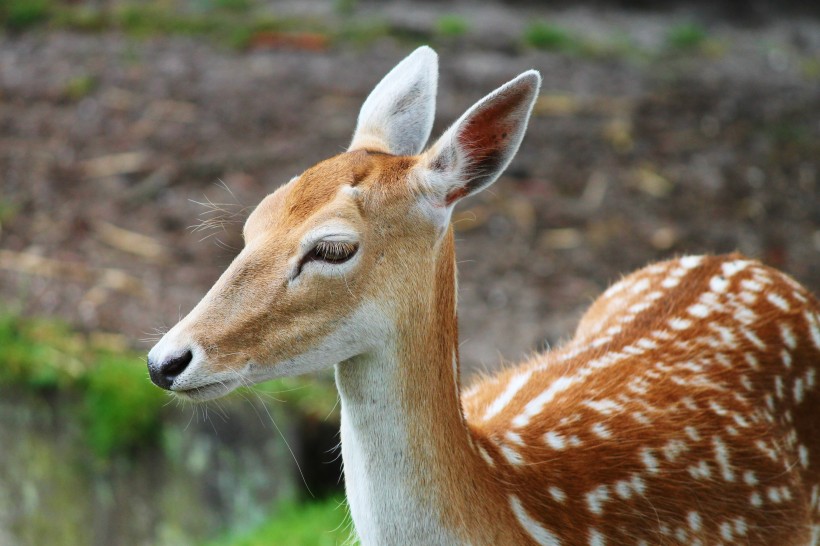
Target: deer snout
column 164, row 371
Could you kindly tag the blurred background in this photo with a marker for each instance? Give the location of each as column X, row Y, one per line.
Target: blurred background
column 135, row 137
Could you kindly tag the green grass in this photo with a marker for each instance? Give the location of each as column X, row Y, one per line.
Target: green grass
column 323, row 523
column 452, row 26
column 22, row 14
column 119, row 407
column 686, row 37
column 546, row 36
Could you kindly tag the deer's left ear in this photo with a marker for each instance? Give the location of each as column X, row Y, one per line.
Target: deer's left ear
column 472, row 153
column 398, row 114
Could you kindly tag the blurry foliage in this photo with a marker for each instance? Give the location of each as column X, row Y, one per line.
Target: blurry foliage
column 688, row 37
column 22, row 14
column 324, row 523
column 120, row 408
column 452, row 26
column 79, row 87
column 549, row 37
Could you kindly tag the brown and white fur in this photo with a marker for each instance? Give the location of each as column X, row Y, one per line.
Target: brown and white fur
column 684, row 411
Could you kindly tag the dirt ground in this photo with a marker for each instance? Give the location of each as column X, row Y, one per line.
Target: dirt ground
column 109, row 144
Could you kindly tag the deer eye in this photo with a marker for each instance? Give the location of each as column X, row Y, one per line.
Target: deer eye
column 331, row 252
column 334, row 252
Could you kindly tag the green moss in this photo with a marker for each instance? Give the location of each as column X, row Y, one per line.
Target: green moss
column 322, row 523
column 80, row 86
column 451, row 26
column 686, row 37
column 549, row 37
column 22, row 14
column 120, row 408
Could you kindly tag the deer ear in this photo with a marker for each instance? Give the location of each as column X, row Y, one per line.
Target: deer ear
column 398, row 115
column 472, row 153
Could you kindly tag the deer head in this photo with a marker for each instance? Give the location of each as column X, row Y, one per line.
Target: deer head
column 330, row 256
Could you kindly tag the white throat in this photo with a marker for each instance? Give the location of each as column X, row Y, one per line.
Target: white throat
column 382, row 480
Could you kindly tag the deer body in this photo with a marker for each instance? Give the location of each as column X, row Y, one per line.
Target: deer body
column 685, row 410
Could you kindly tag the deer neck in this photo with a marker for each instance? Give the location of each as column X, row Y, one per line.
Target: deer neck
column 403, row 432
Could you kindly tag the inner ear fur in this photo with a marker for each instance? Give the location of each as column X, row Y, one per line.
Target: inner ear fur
column 472, row 153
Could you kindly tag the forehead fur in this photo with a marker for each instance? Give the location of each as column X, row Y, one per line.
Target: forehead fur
column 372, row 172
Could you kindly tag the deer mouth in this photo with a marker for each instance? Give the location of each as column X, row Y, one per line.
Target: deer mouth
column 208, row 391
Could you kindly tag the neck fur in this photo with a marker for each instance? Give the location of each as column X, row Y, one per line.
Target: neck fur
column 404, row 442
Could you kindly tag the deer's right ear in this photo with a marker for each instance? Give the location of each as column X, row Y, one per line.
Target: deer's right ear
column 398, row 115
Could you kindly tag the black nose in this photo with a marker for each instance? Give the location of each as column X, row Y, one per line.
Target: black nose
column 164, row 373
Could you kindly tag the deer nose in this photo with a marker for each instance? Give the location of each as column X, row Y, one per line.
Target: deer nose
column 164, row 373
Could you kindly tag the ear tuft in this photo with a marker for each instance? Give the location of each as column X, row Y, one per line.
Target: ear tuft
column 472, row 153
column 398, row 114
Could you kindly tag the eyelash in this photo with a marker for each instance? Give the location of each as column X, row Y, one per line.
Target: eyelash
column 332, row 252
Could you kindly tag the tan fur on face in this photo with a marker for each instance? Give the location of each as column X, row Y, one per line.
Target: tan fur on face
column 256, row 312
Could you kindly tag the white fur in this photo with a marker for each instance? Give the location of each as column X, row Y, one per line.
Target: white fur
column 398, row 115
column 379, row 478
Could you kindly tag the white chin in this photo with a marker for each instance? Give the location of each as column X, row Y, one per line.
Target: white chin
column 206, row 392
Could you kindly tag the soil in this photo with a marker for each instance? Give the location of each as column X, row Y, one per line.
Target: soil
column 108, row 145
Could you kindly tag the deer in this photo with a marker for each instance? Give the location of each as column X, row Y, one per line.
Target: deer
column 684, row 410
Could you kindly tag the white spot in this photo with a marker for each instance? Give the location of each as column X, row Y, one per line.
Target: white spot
column 554, row 440
column 749, row 284
column 718, row 284
column 787, row 334
column 736, row 266
column 513, row 457
column 726, row 530
column 645, row 343
column 649, row 460
column 717, row 408
column 774, row 495
column 681, row 535
column 740, row 420
column 699, row 310
column 673, row 448
column 803, row 453
column 607, row 407
column 778, row 301
column 740, row 526
column 640, row 286
column 670, row 282
column 557, row 494
column 755, row 499
column 515, row 385
column 596, row 538
column 749, row 478
column 641, row 417
column 536, row 405
column 601, row 431
column 747, row 383
column 726, row 334
column 786, row 357
column 574, row 441
column 700, row 471
column 596, row 498
column 751, row 336
column 538, row 532
column 810, row 378
column 514, row 438
column 779, row 388
column 692, row 432
column 722, row 458
column 814, row 328
column 623, row 489
column 679, row 323
column 486, row 456
column 690, row 262
column 798, row 390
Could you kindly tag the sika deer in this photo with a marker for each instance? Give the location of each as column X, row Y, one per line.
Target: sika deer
column 684, row 411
